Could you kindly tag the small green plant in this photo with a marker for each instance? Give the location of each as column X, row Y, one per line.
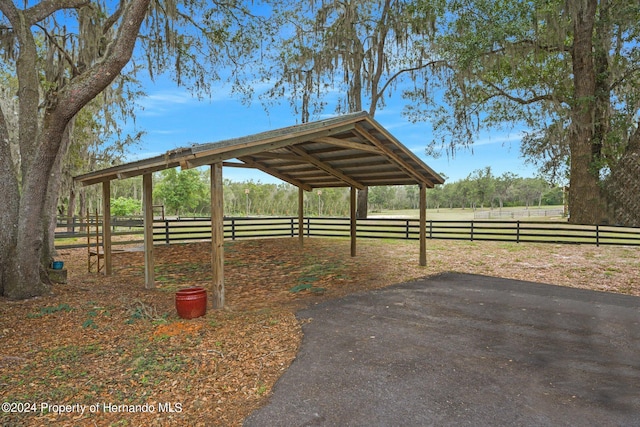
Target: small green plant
column 307, row 286
column 262, row 388
column 50, row 310
column 140, row 310
column 90, row 323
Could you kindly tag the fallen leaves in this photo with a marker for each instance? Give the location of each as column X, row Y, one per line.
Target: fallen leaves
column 177, row 328
column 108, row 341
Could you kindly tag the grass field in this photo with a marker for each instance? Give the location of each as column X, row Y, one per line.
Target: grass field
column 458, row 214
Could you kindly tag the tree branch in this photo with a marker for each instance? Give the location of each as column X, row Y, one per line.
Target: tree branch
column 89, row 84
column 533, row 44
column 516, row 99
column 409, row 70
column 622, row 79
column 110, row 22
column 68, row 57
column 45, row 8
column 10, row 11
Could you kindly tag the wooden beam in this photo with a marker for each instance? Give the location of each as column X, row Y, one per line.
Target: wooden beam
column 434, row 179
column 147, row 208
column 278, row 156
column 148, row 169
column 95, row 181
column 217, row 236
column 326, row 167
column 282, row 176
column 300, row 217
column 352, row 220
column 393, row 157
column 348, row 144
column 237, row 165
column 222, row 153
column 423, row 225
column 106, row 227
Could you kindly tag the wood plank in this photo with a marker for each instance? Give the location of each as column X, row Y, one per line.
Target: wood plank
column 284, row 177
column 408, row 169
column 348, row 144
column 434, row 179
column 222, row 153
column 277, row 155
column 327, row 168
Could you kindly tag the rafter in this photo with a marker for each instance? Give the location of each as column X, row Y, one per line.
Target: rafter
column 348, row 144
column 352, row 151
column 326, row 167
column 224, row 152
column 393, row 156
column 250, row 162
column 279, row 156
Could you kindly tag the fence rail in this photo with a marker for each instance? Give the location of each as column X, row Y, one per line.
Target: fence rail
column 170, row 231
column 525, row 213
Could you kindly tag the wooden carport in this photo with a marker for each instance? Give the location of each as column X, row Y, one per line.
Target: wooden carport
column 352, row 150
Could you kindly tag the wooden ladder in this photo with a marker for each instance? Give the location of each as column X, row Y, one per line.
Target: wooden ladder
column 94, row 250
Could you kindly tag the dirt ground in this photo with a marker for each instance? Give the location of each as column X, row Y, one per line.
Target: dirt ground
column 105, row 351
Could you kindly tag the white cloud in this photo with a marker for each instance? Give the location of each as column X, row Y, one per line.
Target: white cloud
column 160, row 103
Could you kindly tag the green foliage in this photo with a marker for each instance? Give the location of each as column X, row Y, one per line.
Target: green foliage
column 513, row 64
column 182, row 192
column 125, row 206
column 188, row 194
column 140, row 310
column 386, row 43
column 307, row 286
column 50, row 310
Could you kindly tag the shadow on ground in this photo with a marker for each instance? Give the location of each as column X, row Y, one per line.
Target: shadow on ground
column 458, row 349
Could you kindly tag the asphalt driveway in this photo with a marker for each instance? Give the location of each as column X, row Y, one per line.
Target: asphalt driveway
column 464, row 350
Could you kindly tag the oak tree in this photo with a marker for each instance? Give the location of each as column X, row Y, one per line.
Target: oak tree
column 64, row 53
column 566, row 71
column 360, row 50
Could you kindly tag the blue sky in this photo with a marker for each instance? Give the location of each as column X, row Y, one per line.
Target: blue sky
column 172, row 118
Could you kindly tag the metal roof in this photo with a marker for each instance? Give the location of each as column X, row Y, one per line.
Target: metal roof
column 352, row 150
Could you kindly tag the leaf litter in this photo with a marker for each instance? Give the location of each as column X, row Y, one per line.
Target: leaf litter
column 121, row 350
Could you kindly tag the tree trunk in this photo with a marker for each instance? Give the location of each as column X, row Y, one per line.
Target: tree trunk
column 9, row 207
column 26, row 278
column 24, row 217
column 82, row 209
column 587, row 203
column 71, row 209
column 363, row 203
column 51, row 202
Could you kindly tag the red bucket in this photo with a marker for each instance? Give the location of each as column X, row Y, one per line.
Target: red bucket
column 191, row 302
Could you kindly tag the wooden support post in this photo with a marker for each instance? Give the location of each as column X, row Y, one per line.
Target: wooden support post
column 217, row 236
column 423, row 225
column 300, row 217
column 147, row 208
column 106, row 227
column 352, row 219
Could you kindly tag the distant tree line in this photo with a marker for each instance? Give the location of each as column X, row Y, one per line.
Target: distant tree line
column 187, row 193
